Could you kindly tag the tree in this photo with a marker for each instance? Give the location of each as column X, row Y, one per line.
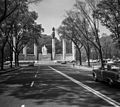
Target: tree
column 12, row 12
column 108, row 12
column 22, row 29
column 4, row 32
column 107, row 46
column 7, row 7
column 86, row 9
column 85, row 27
column 82, row 33
column 68, row 31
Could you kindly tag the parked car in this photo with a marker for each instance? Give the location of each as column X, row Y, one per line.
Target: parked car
column 110, row 74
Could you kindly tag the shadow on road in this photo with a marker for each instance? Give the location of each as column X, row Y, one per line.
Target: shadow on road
column 50, row 87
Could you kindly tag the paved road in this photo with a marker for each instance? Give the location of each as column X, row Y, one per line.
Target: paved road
column 55, row 86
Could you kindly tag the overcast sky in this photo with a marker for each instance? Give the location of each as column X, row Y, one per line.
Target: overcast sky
column 52, row 12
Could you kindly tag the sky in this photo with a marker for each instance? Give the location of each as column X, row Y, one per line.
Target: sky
column 52, row 12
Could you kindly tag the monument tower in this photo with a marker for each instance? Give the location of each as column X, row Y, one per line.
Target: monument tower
column 53, row 43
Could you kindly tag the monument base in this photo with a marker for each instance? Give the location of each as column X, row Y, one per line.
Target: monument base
column 44, row 57
column 47, row 57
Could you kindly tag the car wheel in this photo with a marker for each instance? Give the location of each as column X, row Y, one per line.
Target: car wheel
column 95, row 77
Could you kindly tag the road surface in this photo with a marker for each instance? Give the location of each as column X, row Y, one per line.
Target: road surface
column 55, row 86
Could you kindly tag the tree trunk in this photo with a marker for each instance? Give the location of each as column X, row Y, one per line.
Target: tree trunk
column 88, row 55
column 11, row 57
column 2, row 58
column 87, row 49
column 80, row 58
column 101, row 58
column 16, row 59
column 88, row 58
column 51, row 56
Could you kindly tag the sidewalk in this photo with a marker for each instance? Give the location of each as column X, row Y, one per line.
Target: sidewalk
column 85, row 68
column 8, row 70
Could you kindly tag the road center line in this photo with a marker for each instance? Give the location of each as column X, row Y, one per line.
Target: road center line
column 32, row 83
column 35, row 75
column 97, row 93
column 22, row 105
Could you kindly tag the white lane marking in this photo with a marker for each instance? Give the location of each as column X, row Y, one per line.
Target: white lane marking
column 63, row 88
column 22, row 105
column 37, row 71
column 97, row 93
column 32, row 84
column 35, row 75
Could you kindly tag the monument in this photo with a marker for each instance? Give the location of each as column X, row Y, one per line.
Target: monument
column 44, row 50
column 53, row 43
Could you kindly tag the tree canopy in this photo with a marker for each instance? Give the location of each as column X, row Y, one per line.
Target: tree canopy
column 108, row 12
column 17, row 21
